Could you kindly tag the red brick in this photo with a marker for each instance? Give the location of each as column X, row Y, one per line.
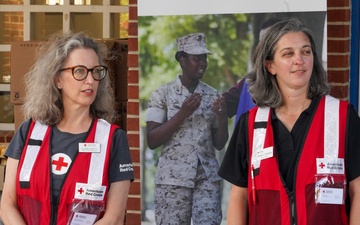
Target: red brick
column 337, row 76
column 134, row 140
column 341, row 92
column 133, row 60
column 338, row 31
column 338, row 46
column 133, row 124
column 137, row 172
column 133, row 76
column 338, row 60
column 133, row 28
column 133, row 13
column 339, row 15
column 135, row 188
column 133, row 92
column 133, row 219
column 133, row 44
column 133, row 107
column 338, row 3
column 133, row 204
column 135, row 156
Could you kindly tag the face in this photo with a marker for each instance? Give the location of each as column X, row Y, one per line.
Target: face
column 293, row 62
column 194, row 66
column 74, row 92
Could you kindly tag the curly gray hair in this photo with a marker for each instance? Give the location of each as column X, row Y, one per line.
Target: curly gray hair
column 43, row 100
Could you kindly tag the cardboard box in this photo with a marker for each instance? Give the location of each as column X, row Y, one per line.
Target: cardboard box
column 18, row 116
column 22, row 58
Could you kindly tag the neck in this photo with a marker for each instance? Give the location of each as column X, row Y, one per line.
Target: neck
column 75, row 122
column 190, row 84
column 294, row 105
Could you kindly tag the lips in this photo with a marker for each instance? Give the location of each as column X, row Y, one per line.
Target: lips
column 88, row 91
column 298, row 71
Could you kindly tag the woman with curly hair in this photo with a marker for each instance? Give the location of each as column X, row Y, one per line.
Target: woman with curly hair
column 68, row 163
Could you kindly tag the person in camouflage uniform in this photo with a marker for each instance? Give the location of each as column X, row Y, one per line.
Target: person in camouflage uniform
column 188, row 118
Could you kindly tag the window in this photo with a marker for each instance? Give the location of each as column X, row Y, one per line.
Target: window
column 23, row 20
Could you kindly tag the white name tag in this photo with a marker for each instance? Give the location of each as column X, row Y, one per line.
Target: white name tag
column 89, row 147
column 330, row 166
column 83, row 219
column 265, row 153
column 331, row 196
column 89, row 192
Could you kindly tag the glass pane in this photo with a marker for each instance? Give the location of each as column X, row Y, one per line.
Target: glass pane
column 47, row 2
column 86, row 2
column 4, row 67
column 12, row 27
column 11, row 2
column 6, row 109
column 119, row 25
column 119, row 2
column 45, row 24
column 89, row 23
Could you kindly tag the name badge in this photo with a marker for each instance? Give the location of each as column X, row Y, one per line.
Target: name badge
column 330, row 166
column 264, row 153
column 83, row 219
column 89, row 147
column 330, row 196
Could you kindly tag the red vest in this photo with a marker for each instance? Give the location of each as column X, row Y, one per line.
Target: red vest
column 273, row 204
column 33, row 176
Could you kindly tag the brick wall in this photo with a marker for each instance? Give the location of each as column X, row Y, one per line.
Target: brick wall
column 339, row 22
column 12, row 30
column 133, row 216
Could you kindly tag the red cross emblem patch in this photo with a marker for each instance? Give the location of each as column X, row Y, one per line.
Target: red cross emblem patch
column 60, row 163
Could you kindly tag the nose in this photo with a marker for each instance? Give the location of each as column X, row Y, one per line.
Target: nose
column 203, row 62
column 89, row 79
column 299, row 60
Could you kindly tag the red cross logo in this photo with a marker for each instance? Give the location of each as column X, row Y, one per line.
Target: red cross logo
column 81, row 190
column 59, row 163
column 322, row 165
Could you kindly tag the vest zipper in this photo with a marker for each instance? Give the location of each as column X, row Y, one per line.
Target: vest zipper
column 292, row 209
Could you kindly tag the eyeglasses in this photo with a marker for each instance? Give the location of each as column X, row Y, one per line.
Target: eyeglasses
column 81, row 72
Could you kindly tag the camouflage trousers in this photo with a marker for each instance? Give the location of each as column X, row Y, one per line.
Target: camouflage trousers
column 178, row 205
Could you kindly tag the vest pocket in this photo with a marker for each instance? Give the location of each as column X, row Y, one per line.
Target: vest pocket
column 266, row 210
column 322, row 214
column 30, row 209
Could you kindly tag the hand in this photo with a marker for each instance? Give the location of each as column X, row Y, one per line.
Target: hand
column 191, row 103
column 219, row 107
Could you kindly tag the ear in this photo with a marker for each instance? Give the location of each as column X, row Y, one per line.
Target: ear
column 269, row 67
column 182, row 61
column 58, row 83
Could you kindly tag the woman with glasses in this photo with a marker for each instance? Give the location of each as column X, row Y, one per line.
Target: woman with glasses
column 67, row 164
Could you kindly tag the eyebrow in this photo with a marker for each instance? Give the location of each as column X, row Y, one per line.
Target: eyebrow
column 289, row 48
